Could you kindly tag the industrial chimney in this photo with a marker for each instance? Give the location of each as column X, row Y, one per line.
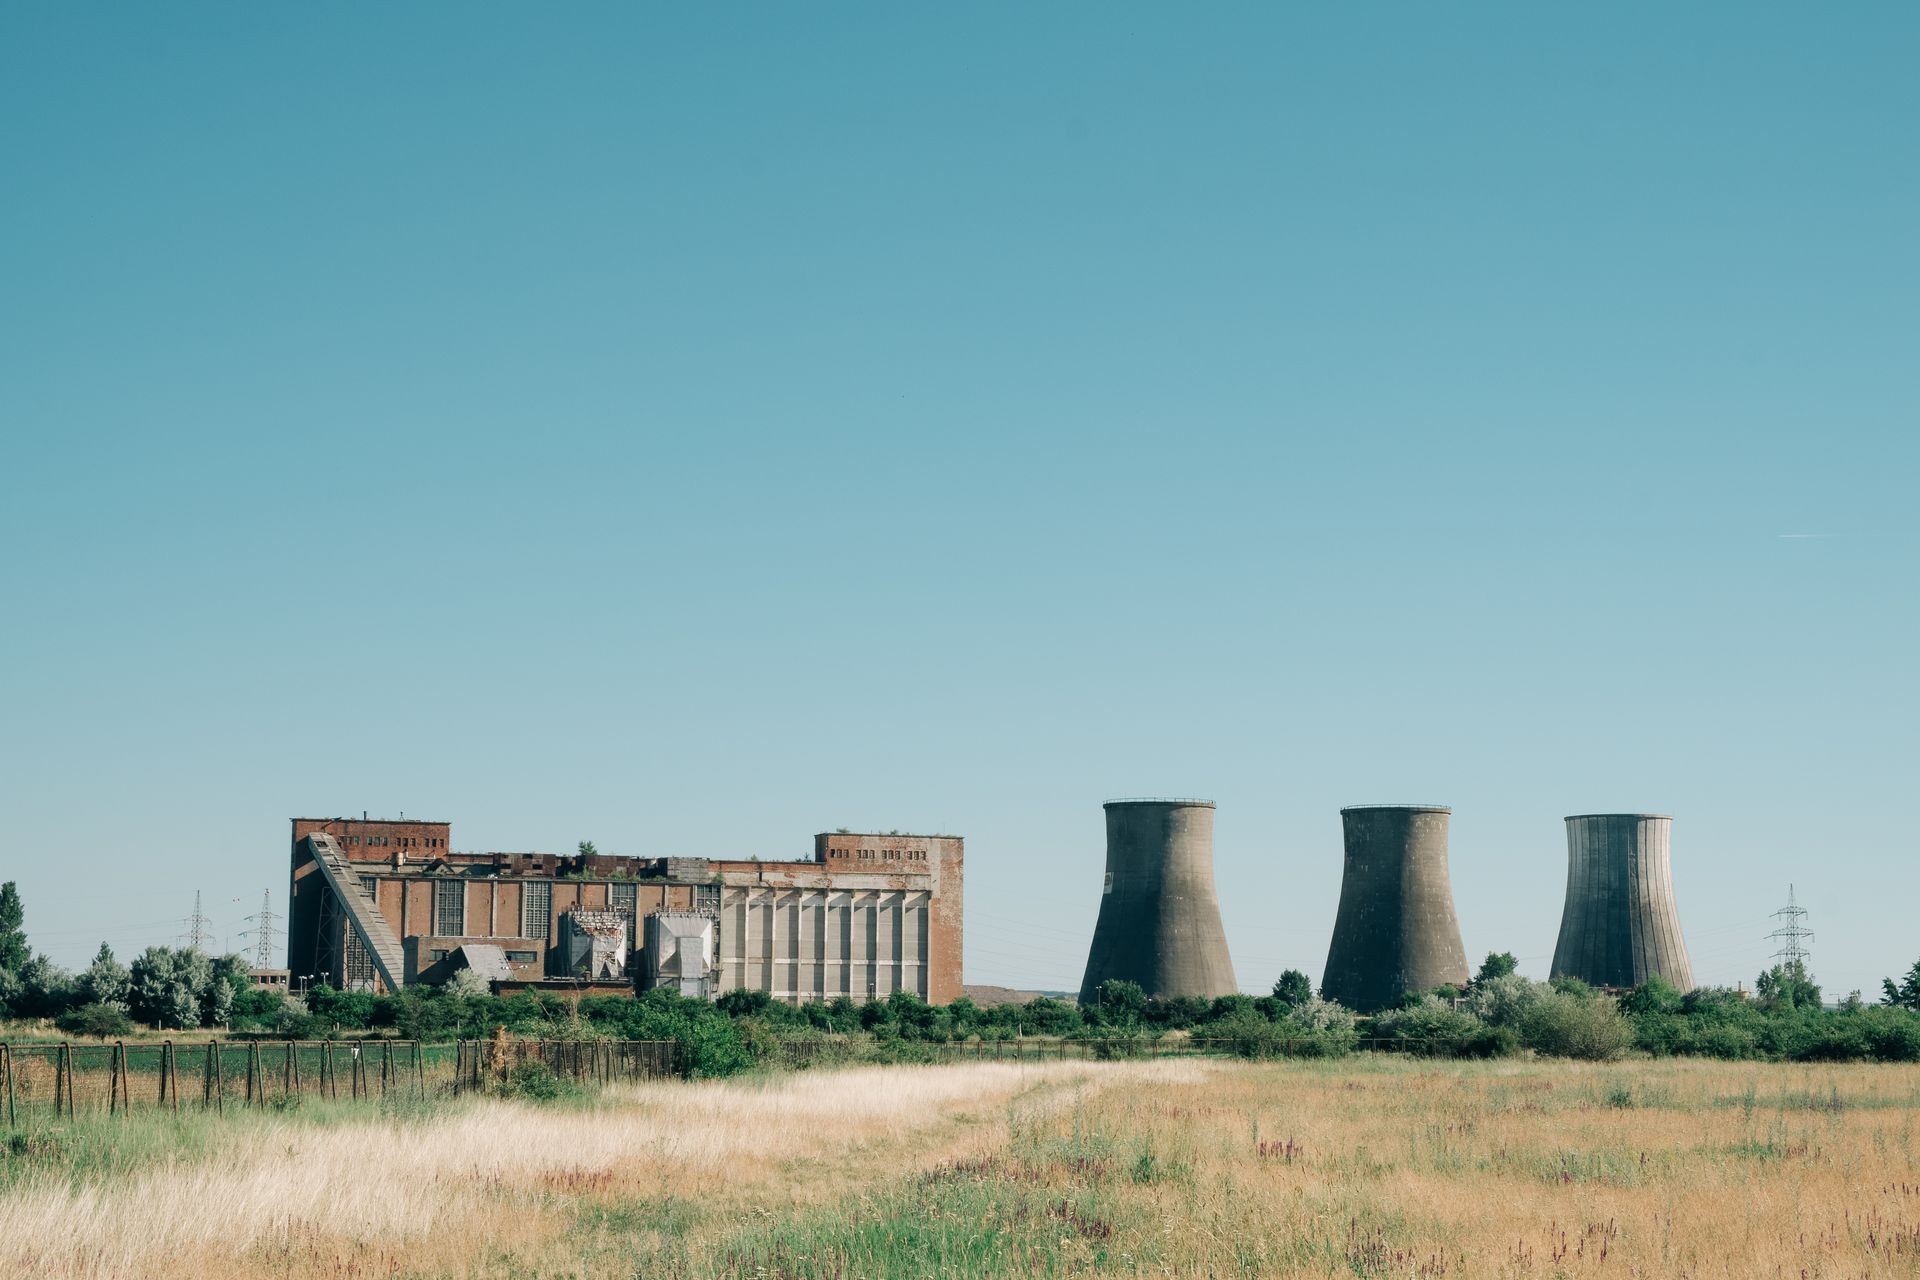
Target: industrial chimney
column 1621, row 924
column 1396, row 931
column 1159, row 920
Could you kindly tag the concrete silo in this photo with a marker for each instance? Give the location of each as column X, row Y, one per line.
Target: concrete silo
column 1621, row 924
column 1396, row 931
column 1159, row 920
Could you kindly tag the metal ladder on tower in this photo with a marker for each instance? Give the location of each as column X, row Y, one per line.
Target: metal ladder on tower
column 363, row 916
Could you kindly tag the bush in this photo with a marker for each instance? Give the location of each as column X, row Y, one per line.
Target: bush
column 1429, row 1028
column 1506, row 999
column 1893, row 1035
column 1575, row 1026
column 99, row 1019
column 535, row 1082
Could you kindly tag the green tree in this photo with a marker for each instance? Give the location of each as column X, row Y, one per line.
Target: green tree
column 1122, row 1002
column 229, row 978
column 587, row 850
column 13, row 935
column 45, row 989
column 1787, row 986
column 106, row 1021
column 168, row 985
column 106, row 980
column 1498, row 964
column 1293, row 989
column 1905, row 993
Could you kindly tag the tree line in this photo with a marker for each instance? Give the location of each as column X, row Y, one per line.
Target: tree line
column 1498, row 1013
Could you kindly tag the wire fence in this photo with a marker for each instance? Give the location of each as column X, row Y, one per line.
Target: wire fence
column 479, row 1063
column 66, row 1080
column 69, row 1079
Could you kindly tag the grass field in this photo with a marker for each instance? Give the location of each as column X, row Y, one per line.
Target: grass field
column 1371, row 1166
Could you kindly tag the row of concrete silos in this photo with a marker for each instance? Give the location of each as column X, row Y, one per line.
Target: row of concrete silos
column 1396, row 930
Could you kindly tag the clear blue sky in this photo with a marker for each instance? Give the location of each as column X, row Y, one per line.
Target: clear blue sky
column 689, row 429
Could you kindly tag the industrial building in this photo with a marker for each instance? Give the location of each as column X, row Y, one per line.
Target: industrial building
column 1621, row 924
column 378, row 904
column 1159, row 920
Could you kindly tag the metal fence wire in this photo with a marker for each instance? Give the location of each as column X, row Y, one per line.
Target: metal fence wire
column 66, row 1079
column 480, row 1063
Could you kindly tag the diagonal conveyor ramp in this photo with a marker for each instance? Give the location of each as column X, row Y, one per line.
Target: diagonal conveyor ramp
column 365, row 918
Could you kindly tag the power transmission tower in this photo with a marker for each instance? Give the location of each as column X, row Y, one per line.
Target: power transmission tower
column 199, row 928
column 263, row 932
column 1793, row 937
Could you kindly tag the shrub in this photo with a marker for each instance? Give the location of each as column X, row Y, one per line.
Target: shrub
column 1573, row 1026
column 1892, row 1035
column 106, row 1021
column 1428, row 1028
column 1506, row 999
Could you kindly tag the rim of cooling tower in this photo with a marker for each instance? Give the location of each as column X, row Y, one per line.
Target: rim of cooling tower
column 1414, row 808
column 1184, row 801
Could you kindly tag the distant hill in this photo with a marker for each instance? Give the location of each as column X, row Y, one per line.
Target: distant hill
column 987, row 997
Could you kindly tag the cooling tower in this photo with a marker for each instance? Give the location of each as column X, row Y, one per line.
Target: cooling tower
column 1621, row 925
column 1159, row 920
column 1396, row 931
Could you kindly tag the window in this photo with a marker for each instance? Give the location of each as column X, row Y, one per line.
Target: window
column 536, row 909
column 449, row 909
column 359, row 965
column 437, row 953
column 522, row 957
column 625, row 899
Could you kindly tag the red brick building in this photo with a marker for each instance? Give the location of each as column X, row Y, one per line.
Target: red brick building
column 868, row 915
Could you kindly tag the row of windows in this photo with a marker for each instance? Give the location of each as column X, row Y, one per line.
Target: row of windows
column 891, row 855
column 400, row 842
column 536, row 904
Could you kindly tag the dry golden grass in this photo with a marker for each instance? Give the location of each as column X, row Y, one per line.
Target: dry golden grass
column 446, row 1193
column 1371, row 1167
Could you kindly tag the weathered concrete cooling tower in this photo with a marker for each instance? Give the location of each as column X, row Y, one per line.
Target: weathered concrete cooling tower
column 1621, row 924
column 1396, row 931
column 1159, row 920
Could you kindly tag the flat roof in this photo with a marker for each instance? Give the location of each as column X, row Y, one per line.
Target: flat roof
column 893, row 835
column 425, row 822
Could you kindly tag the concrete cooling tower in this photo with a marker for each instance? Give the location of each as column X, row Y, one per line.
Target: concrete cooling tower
column 1621, row 924
column 1159, row 920
column 1396, row 931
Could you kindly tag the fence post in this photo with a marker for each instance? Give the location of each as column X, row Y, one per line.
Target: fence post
column 293, row 1065
column 419, row 1071
column 386, row 1065
column 117, row 1073
column 219, row 1076
column 6, row 1069
column 63, row 1080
